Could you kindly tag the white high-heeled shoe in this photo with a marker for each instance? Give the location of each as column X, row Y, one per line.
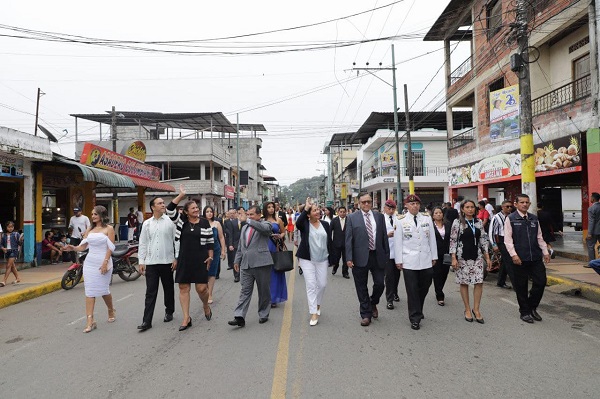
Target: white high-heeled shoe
column 313, row 322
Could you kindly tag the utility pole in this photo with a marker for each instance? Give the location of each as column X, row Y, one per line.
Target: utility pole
column 37, row 109
column 393, row 86
column 237, row 153
column 528, row 184
column 113, row 133
column 411, row 171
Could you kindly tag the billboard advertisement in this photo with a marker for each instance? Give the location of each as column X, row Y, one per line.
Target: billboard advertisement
column 504, row 114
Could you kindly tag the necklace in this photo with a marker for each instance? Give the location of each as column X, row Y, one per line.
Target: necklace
column 192, row 225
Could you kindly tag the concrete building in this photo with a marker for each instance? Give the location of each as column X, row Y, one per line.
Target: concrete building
column 18, row 184
column 485, row 161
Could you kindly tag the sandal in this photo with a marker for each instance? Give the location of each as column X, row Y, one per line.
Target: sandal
column 112, row 319
column 16, row 282
column 2, row 284
column 210, row 301
column 91, row 326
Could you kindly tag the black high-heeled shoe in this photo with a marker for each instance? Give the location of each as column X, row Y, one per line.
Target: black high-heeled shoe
column 480, row 321
column 470, row 320
column 209, row 315
column 189, row 324
column 300, row 270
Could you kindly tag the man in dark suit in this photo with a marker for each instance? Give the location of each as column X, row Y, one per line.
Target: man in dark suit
column 255, row 262
column 450, row 214
column 338, row 237
column 232, row 227
column 367, row 249
column 281, row 214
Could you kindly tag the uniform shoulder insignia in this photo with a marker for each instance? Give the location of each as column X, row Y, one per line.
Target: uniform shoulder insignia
column 401, row 216
column 425, row 214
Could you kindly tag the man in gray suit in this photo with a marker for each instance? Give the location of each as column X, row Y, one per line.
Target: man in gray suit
column 253, row 260
column 367, row 249
column 593, row 226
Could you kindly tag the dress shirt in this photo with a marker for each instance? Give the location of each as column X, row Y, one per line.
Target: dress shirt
column 342, row 223
column 508, row 240
column 157, row 241
column 389, row 226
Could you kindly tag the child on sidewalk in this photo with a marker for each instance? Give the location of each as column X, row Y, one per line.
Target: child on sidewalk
column 10, row 246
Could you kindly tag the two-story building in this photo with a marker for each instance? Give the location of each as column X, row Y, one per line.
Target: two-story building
column 563, row 39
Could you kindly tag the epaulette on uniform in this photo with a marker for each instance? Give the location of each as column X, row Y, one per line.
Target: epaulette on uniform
column 401, row 216
column 425, row 214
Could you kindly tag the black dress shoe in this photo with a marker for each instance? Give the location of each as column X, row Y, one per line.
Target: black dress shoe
column 390, row 305
column 168, row 317
column 536, row 316
column 144, row 326
column 237, row 321
column 375, row 311
column 263, row 320
column 365, row 322
column 346, row 276
column 527, row 318
column 396, row 298
column 189, row 324
column 334, row 271
column 415, row 326
column 236, row 280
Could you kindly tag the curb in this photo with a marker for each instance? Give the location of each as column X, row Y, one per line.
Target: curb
column 586, row 290
column 29, row 293
column 571, row 255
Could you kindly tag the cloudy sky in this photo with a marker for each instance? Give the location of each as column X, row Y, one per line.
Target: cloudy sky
column 302, row 97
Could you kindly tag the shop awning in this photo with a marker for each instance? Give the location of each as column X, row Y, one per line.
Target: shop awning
column 155, row 185
column 104, row 177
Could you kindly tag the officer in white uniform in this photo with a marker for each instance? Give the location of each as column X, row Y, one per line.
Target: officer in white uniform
column 416, row 253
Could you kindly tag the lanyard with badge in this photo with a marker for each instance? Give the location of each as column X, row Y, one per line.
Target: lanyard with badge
column 471, row 224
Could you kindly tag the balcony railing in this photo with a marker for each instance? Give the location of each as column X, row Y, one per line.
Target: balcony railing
column 461, row 71
column 390, row 173
column 462, row 139
column 566, row 94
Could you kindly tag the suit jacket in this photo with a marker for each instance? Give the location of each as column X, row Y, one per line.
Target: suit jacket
column 338, row 234
column 443, row 244
column 594, row 219
column 451, row 215
column 415, row 245
column 303, row 225
column 357, row 240
column 256, row 253
column 232, row 232
column 283, row 217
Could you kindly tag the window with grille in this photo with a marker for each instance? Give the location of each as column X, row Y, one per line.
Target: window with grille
column 418, row 158
column 581, row 69
column 494, row 17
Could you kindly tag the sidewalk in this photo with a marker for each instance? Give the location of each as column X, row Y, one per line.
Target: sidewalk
column 566, row 276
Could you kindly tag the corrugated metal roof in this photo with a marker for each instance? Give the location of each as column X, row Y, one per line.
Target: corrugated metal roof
column 155, row 185
column 103, row 177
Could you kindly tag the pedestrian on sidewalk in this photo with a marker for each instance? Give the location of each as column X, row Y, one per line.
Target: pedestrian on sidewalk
column 156, row 257
column 131, row 224
column 469, row 248
column 496, row 235
column 527, row 248
column 254, row 263
column 415, row 248
column 100, row 240
column 593, row 226
column 9, row 244
column 314, row 256
column 194, row 246
column 79, row 224
column 367, row 250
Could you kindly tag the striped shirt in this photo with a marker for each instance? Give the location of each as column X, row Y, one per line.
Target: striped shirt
column 497, row 227
column 206, row 233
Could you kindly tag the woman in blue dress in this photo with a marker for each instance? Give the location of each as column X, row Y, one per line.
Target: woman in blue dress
column 219, row 249
column 278, row 283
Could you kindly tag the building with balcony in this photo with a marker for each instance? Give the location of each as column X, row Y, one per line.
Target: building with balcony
column 485, row 161
column 197, row 150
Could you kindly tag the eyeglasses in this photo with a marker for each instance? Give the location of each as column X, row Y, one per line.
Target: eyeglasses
column 366, row 202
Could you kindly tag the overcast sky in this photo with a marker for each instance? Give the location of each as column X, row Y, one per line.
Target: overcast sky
column 306, row 94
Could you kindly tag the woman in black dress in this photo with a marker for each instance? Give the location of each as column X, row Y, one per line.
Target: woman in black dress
column 442, row 239
column 194, row 251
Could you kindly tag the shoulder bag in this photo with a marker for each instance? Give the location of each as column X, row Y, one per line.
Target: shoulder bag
column 283, row 259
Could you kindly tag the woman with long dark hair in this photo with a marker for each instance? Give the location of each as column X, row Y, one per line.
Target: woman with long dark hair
column 278, row 283
column 469, row 247
column 219, row 249
column 99, row 239
column 194, row 245
column 442, row 238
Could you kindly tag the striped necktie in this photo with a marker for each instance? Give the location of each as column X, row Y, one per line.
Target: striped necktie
column 370, row 232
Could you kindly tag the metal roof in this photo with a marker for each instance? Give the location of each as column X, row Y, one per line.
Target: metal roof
column 189, row 121
column 252, row 127
column 418, row 120
column 340, row 139
column 104, row 178
column 456, row 15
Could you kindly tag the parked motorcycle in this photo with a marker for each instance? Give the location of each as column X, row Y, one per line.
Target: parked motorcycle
column 125, row 264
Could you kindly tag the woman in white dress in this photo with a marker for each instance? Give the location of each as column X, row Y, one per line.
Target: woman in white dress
column 99, row 240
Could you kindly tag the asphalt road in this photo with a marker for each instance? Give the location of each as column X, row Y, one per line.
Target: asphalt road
column 46, row 355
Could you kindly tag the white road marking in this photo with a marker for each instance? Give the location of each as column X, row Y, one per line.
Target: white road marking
column 590, row 336
column 509, row 301
column 76, row 321
column 125, row 297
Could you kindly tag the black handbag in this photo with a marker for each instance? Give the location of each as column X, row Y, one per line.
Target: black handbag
column 447, row 259
column 283, row 259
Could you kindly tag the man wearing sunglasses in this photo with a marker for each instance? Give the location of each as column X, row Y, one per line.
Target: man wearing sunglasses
column 496, row 234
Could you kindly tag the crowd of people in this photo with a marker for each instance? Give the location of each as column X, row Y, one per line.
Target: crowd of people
column 422, row 246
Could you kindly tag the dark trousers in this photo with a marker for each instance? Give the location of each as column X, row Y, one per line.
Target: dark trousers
column 154, row 273
column 230, row 259
column 392, row 278
column 339, row 253
column 417, row 283
column 440, row 275
column 537, row 271
column 361, row 281
column 591, row 244
column 504, row 265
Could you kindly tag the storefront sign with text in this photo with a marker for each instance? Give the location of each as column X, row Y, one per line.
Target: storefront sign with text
column 99, row 157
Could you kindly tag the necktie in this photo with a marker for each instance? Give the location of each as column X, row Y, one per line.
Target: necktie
column 416, row 224
column 370, row 232
column 239, row 225
column 391, row 220
column 342, row 222
column 250, row 230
